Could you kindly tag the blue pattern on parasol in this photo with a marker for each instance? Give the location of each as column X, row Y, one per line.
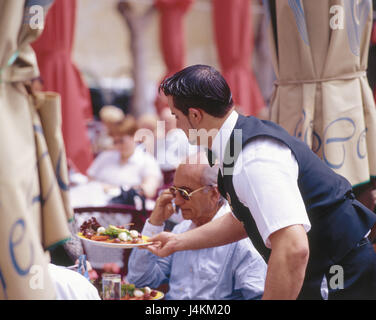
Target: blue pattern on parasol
column 297, row 8
column 357, row 13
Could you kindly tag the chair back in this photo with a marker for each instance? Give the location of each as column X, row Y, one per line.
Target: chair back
column 168, row 177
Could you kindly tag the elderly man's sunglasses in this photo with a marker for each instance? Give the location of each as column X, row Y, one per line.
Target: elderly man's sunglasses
column 184, row 193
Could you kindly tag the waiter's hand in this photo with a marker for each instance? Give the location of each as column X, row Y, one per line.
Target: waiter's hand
column 164, row 244
column 218, row 232
column 163, row 209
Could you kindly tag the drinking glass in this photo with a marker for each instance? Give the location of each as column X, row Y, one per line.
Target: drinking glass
column 111, row 286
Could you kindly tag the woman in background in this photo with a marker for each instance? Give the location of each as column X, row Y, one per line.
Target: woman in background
column 126, row 165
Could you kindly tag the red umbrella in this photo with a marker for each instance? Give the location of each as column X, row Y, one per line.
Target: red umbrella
column 171, row 37
column 172, row 33
column 59, row 74
column 234, row 38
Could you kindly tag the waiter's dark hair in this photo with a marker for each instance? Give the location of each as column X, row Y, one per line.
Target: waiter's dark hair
column 201, row 87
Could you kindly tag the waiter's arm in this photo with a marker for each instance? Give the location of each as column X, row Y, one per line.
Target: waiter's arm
column 218, row 232
column 287, row 263
column 267, row 184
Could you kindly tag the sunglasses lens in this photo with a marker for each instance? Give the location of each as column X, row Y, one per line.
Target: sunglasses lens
column 183, row 193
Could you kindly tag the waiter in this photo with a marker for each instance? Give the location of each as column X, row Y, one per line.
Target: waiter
column 301, row 216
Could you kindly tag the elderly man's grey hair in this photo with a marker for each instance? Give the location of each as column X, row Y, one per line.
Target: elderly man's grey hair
column 209, row 175
column 209, row 178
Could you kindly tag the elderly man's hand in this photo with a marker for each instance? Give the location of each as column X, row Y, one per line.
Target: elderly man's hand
column 163, row 209
column 164, row 244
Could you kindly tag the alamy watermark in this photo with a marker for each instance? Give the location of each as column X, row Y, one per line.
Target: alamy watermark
column 36, row 281
column 337, row 280
column 35, row 17
column 171, row 147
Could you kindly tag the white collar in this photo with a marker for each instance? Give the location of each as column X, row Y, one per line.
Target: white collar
column 223, row 135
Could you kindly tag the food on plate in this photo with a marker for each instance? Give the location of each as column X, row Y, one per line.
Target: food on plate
column 91, row 229
column 130, row 292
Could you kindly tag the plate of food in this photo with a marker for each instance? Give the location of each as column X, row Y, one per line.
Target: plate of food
column 112, row 236
column 130, row 292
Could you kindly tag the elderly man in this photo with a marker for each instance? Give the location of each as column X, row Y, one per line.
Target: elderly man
column 233, row 271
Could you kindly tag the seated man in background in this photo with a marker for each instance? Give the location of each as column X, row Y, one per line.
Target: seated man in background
column 234, row 271
column 168, row 144
column 111, row 118
column 147, row 138
column 172, row 145
column 126, row 165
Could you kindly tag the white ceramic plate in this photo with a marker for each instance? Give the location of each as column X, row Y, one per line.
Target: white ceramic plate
column 115, row 245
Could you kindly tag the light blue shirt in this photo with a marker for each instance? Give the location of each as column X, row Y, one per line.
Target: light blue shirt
column 233, row 271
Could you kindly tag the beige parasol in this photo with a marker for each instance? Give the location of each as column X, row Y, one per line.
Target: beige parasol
column 34, row 208
column 322, row 94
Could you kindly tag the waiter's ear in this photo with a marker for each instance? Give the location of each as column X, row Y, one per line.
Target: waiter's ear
column 195, row 115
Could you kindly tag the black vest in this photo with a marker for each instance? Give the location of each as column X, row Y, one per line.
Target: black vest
column 338, row 221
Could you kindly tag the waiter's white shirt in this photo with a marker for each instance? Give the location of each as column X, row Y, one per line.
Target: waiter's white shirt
column 265, row 180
